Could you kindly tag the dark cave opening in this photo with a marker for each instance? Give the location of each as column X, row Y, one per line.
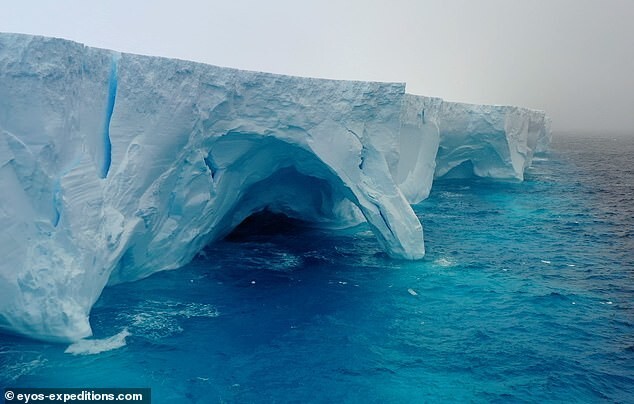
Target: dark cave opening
column 266, row 223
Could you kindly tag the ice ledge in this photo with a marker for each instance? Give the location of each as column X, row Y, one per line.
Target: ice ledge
column 115, row 166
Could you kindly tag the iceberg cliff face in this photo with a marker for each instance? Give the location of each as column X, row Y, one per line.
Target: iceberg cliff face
column 115, row 166
column 447, row 139
column 486, row 141
column 440, row 138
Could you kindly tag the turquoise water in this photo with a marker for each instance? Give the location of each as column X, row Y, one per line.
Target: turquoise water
column 526, row 295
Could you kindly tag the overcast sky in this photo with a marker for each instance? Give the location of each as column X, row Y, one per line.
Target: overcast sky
column 572, row 58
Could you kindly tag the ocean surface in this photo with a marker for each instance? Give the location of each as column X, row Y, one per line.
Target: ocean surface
column 526, row 295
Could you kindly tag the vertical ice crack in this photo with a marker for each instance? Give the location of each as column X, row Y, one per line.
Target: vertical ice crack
column 57, row 195
column 112, row 95
column 211, row 166
column 387, row 223
column 363, row 149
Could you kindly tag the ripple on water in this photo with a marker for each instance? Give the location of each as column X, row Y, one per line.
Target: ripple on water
column 157, row 319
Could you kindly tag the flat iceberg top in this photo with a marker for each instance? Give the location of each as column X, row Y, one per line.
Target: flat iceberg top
column 117, row 166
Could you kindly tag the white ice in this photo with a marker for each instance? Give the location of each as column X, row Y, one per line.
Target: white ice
column 97, row 346
column 115, row 166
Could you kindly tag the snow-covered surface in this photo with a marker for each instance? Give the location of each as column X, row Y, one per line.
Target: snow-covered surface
column 115, row 166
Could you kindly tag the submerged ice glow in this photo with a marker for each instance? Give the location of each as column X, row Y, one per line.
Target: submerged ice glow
column 117, row 166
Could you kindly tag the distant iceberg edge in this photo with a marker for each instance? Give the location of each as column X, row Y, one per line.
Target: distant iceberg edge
column 114, row 166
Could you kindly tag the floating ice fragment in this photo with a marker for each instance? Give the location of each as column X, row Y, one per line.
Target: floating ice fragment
column 96, row 346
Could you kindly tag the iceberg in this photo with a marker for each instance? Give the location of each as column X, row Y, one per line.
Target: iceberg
column 439, row 138
column 114, row 166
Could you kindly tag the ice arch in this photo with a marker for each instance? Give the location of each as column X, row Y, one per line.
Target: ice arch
column 244, row 173
column 122, row 165
column 114, row 166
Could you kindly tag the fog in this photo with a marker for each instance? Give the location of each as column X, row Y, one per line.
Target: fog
column 572, row 58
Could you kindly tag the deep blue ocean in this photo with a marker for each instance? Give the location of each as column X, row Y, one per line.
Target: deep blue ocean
column 526, row 295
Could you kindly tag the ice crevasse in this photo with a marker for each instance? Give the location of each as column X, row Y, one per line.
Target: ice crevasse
column 114, row 166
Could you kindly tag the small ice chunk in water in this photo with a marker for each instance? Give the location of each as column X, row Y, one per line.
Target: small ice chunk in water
column 96, row 346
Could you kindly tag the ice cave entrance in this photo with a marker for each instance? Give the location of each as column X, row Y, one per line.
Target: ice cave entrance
column 266, row 223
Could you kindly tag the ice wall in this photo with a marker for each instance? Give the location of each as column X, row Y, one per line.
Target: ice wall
column 114, row 166
column 419, row 141
column 447, row 139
